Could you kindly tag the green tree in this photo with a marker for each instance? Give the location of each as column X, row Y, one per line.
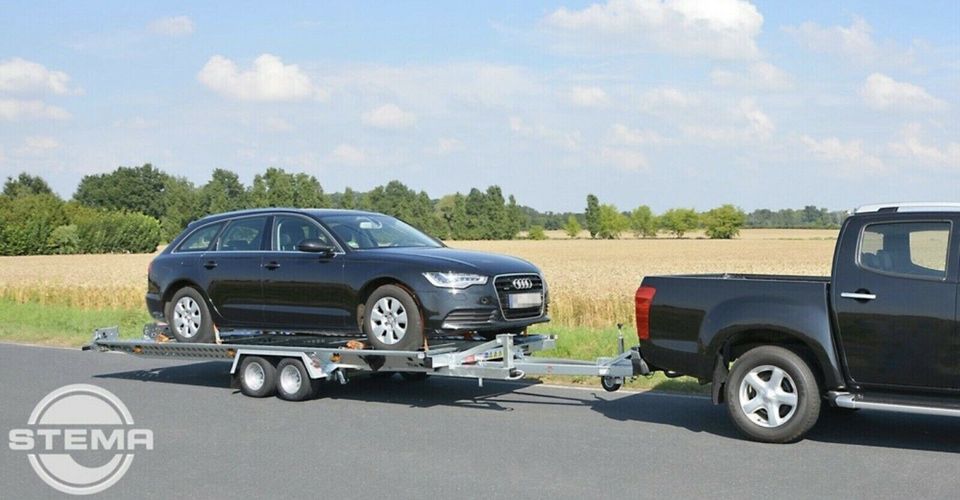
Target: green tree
column 349, row 199
column 24, row 185
column 536, row 233
column 398, row 200
column 182, row 204
column 679, row 221
column 223, row 193
column 572, row 227
column 724, row 222
column 593, row 215
column 643, row 223
column 277, row 188
column 451, row 210
column 612, row 222
column 27, row 222
column 135, row 189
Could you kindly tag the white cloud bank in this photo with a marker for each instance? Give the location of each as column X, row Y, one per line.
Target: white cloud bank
column 177, row 26
column 388, row 116
column 848, row 156
column 912, row 146
column 589, row 97
column 758, row 76
column 21, row 76
column 17, row 110
column 268, row 80
column 723, row 29
column 880, row 91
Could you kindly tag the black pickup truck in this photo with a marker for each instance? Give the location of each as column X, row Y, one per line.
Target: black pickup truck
column 881, row 333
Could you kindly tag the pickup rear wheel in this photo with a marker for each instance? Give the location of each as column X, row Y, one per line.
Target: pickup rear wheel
column 772, row 396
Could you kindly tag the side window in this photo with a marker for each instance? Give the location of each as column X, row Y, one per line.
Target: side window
column 243, row 235
column 200, row 240
column 907, row 248
column 290, row 231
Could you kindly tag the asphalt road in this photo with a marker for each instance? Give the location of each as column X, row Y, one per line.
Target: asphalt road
column 446, row 438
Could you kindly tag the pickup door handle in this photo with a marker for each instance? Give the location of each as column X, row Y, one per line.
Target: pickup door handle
column 210, row 264
column 272, row 265
column 858, row 295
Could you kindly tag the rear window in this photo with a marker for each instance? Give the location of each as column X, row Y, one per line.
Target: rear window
column 907, row 248
column 200, row 240
column 243, row 235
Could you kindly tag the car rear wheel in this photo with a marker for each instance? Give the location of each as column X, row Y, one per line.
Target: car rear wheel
column 189, row 317
column 772, row 396
column 392, row 320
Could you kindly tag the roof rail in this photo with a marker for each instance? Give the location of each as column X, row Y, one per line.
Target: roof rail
column 923, row 206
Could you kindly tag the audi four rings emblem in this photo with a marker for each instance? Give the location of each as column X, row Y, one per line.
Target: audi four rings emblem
column 522, row 283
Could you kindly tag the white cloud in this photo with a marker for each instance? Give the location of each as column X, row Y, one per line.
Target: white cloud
column 725, row 29
column 16, row 110
column 448, row 145
column 621, row 134
column 747, row 122
column 911, row 146
column 277, row 124
column 22, row 76
column 667, row 97
column 268, row 80
column 569, row 141
column 849, row 156
column 882, row 92
column 176, row 26
column 589, row 97
column 758, row 76
column 855, row 42
column 38, row 145
column 350, row 155
column 623, row 158
column 388, row 116
column 136, row 123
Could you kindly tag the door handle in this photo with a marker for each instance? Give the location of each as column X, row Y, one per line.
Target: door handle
column 272, row 265
column 858, row 295
column 210, row 264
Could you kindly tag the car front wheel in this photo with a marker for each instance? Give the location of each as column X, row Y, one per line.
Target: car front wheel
column 392, row 320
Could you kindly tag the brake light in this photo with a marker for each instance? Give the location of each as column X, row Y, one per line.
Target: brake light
column 643, row 300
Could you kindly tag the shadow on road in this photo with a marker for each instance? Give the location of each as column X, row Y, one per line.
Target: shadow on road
column 696, row 414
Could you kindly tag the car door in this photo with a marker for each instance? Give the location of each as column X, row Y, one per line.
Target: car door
column 233, row 272
column 303, row 290
column 896, row 303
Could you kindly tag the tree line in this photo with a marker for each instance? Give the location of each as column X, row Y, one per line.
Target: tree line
column 134, row 209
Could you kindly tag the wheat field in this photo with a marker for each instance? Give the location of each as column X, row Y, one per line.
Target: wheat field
column 591, row 281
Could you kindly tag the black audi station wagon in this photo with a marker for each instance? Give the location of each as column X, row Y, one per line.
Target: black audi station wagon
column 336, row 272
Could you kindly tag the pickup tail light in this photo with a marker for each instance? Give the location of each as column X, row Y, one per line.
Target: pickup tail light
column 644, row 300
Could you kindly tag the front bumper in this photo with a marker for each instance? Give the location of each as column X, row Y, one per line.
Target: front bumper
column 473, row 309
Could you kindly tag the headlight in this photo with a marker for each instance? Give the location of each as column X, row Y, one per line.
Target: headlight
column 455, row 280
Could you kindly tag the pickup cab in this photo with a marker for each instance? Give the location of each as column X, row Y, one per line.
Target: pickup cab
column 882, row 332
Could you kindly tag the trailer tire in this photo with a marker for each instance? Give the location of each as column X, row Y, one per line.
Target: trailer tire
column 772, row 379
column 611, row 384
column 293, row 381
column 258, row 377
column 189, row 317
column 392, row 320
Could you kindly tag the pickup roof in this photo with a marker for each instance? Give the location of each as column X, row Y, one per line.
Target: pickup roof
column 881, row 333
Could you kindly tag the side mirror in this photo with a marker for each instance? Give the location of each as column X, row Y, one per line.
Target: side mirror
column 316, row 246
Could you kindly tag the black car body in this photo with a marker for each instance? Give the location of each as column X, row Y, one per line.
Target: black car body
column 272, row 284
column 882, row 332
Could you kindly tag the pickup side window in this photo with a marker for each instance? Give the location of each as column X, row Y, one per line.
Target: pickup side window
column 906, row 248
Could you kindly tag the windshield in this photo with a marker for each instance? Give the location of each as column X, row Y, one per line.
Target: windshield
column 363, row 232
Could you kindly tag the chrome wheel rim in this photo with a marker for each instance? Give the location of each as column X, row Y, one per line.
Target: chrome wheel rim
column 254, row 376
column 388, row 320
column 768, row 396
column 290, row 379
column 187, row 317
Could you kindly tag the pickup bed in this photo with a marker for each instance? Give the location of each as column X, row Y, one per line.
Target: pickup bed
column 881, row 332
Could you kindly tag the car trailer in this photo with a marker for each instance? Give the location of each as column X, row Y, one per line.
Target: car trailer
column 292, row 366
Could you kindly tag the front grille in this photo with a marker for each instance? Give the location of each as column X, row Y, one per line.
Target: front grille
column 504, row 285
column 469, row 317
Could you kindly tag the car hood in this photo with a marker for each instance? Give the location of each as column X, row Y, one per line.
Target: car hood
column 451, row 259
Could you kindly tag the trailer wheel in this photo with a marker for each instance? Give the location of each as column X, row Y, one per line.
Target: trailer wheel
column 611, row 384
column 392, row 320
column 189, row 317
column 293, row 381
column 772, row 396
column 258, row 377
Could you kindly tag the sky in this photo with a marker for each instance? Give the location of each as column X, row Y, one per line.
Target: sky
column 679, row 103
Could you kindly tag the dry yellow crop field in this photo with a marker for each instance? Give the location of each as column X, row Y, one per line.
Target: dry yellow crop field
column 591, row 281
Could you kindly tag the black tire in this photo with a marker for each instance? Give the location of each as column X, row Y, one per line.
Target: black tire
column 258, row 377
column 293, row 381
column 611, row 384
column 751, row 413
column 392, row 320
column 189, row 317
